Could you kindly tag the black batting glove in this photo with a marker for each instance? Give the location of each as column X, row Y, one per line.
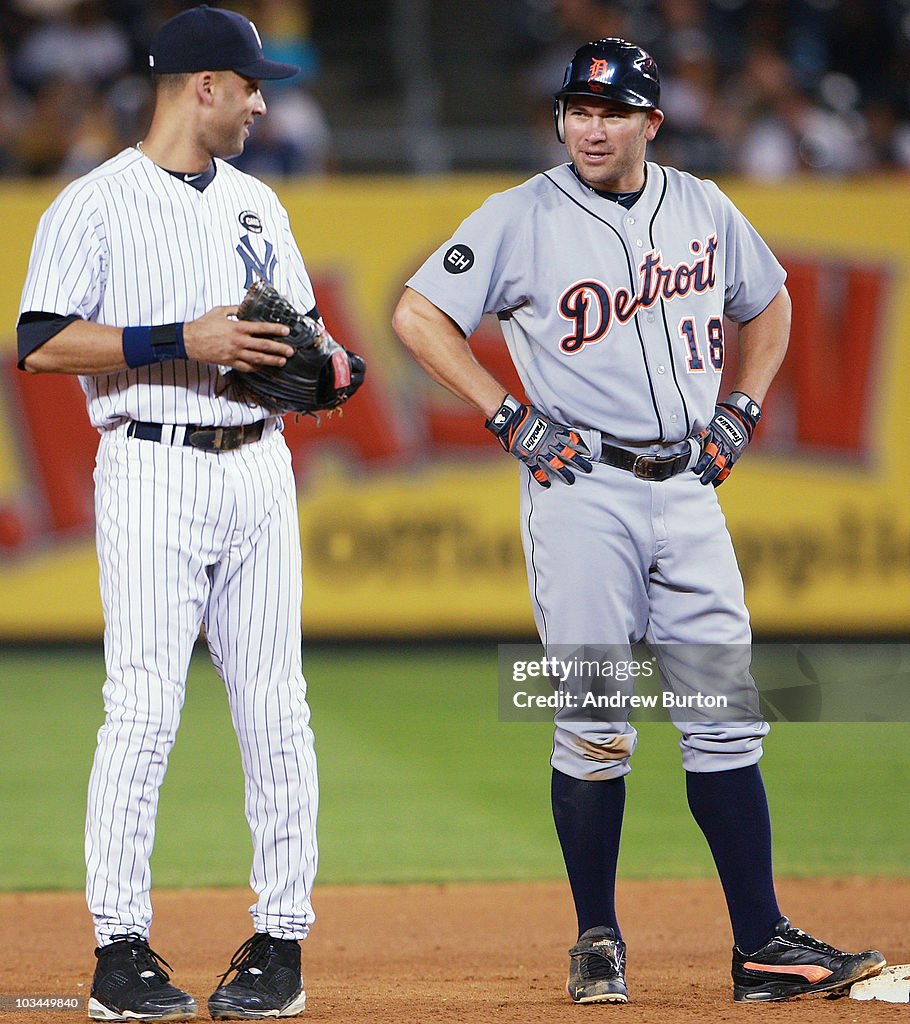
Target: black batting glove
column 546, row 448
column 726, row 436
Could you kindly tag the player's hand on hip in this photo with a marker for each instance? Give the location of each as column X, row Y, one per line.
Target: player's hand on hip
column 217, row 337
column 725, row 438
column 547, row 448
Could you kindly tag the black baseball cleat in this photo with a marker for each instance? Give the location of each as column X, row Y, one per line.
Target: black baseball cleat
column 267, row 981
column 597, row 963
column 130, row 983
column 794, row 963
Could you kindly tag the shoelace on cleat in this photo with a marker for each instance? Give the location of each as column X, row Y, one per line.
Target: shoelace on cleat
column 597, row 963
column 144, row 957
column 255, row 951
column 801, row 938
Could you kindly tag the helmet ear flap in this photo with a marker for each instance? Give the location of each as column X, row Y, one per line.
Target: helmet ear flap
column 559, row 117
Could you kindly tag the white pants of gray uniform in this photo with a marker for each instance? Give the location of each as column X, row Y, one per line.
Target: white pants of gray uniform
column 187, row 538
column 614, row 559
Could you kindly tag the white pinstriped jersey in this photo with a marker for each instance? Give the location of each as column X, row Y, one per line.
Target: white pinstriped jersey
column 129, row 244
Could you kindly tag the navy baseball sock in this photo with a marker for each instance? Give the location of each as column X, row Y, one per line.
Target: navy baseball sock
column 732, row 810
column 588, row 817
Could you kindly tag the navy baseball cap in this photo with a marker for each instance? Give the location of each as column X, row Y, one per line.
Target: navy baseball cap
column 212, row 39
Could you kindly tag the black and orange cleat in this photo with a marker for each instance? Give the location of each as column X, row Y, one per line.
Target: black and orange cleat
column 795, row 963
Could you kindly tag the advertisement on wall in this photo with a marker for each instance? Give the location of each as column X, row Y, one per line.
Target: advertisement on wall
column 408, row 507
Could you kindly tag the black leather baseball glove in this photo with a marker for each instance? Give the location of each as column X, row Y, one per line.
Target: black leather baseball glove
column 321, row 374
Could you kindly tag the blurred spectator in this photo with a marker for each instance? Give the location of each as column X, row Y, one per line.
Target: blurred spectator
column 95, row 137
column 295, row 137
column 779, row 131
column 696, row 133
column 889, row 138
column 68, row 130
column 68, row 55
column 82, row 45
column 285, row 26
column 13, row 110
column 48, row 132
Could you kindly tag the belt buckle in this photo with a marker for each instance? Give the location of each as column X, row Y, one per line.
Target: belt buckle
column 208, row 439
column 219, row 439
column 643, row 467
column 654, row 467
column 229, row 438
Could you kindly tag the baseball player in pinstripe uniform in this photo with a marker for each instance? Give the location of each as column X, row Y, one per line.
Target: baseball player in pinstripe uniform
column 134, row 277
column 611, row 277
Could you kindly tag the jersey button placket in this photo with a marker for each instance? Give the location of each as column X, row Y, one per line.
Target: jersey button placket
column 631, row 245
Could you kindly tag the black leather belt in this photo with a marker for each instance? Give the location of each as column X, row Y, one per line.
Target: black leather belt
column 207, row 439
column 645, row 467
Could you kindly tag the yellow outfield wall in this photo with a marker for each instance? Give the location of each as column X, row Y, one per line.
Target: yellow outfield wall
column 409, row 510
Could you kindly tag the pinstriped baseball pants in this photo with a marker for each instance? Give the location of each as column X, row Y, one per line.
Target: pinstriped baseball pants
column 188, row 538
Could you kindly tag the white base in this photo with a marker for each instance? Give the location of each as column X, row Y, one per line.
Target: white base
column 891, row 986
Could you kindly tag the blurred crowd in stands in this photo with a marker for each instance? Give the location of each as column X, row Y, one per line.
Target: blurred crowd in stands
column 75, row 86
column 764, row 88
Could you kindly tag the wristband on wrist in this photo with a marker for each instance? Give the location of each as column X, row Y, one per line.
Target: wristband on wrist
column 497, row 422
column 748, row 408
column 143, row 346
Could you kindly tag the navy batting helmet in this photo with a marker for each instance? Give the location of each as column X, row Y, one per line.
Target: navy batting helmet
column 613, row 70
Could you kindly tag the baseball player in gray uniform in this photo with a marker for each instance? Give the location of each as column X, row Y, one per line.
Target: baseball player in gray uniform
column 611, row 277
column 133, row 283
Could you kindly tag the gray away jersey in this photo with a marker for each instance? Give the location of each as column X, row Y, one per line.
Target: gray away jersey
column 613, row 317
column 130, row 245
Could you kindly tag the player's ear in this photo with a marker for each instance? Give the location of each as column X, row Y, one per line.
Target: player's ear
column 205, row 83
column 655, row 120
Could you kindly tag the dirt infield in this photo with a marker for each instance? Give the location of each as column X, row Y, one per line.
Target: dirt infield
column 460, row 954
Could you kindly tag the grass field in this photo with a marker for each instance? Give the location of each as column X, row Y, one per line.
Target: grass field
column 420, row 780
